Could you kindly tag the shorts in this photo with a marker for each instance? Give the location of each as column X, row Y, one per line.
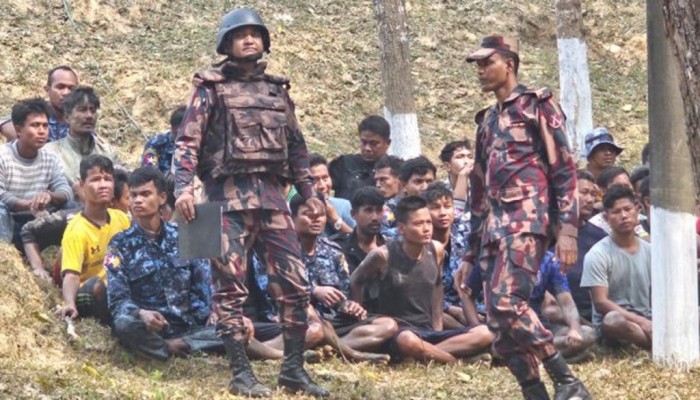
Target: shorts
column 84, row 300
column 425, row 334
column 266, row 331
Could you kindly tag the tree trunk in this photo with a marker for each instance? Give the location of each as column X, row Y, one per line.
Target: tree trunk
column 574, row 82
column 674, row 267
column 682, row 19
column 399, row 107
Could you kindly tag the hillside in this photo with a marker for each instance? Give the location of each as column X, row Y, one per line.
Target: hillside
column 140, row 55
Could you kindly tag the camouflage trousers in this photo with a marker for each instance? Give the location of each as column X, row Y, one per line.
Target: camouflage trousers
column 271, row 234
column 509, row 270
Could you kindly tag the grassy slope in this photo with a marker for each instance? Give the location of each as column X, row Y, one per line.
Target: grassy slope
column 140, row 56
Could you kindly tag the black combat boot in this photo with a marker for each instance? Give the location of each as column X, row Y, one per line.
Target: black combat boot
column 293, row 377
column 566, row 385
column 535, row 392
column 243, row 382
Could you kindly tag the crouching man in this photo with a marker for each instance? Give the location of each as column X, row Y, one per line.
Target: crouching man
column 160, row 304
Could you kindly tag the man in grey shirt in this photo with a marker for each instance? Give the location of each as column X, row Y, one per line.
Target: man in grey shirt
column 618, row 272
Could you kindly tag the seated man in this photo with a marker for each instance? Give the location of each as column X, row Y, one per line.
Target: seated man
column 452, row 234
column 616, row 176
column 160, row 304
column 85, row 242
column 330, row 284
column 47, row 230
column 588, row 235
column 601, row 151
column 31, row 178
column 61, row 81
column 80, row 107
column 415, row 175
column 409, row 272
column 458, row 161
column 386, row 176
column 158, row 151
column 561, row 316
column 337, row 209
column 618, row 272
column 353, row 171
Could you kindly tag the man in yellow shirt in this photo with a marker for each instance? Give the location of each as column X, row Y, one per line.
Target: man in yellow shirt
column 85, row 241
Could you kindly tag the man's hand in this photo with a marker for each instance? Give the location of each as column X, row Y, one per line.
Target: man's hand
column 42, row 274
column 566, row 251
column 154, row 320
column 315, row 204
column 331, row 213
column 461, row 277
column 573, row 338
column 467, row 168
column 213, row 319
column 67, row 311
column 40, row 201
column 355, row 309
column 328, row 295
column 185, row 206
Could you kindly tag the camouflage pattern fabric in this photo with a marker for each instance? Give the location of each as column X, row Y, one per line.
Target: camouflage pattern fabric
column 271, row 234
column 158, row 152
column 327, row 267
column 509, row 268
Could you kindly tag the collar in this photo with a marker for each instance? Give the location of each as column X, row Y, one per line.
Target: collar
column 164, row 230
column 517, row 91
column 233, row 69
column 84, row 146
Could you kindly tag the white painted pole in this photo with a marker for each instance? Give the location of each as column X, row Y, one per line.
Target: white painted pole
column 673, row 256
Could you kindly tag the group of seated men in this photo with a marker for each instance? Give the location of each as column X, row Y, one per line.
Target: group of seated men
column 380, row 258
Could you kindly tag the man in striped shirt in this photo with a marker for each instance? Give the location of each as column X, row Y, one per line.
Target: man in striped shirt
column 31, row 179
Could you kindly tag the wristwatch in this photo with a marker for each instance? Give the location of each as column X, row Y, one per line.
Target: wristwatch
column 338, row 224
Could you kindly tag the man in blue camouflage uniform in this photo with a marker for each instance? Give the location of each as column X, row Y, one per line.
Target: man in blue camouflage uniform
column 161, row 305
column 523, row 194
column 158, row 151
column 241, row 137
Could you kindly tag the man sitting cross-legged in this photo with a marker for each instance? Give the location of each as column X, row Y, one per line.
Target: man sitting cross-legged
column 618, row 272
column 85, row 241
column 330, row 284
column 409, row 272
column 161, row 305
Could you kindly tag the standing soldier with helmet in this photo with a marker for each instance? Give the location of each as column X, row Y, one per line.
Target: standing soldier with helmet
column 241, row 137
column 523, row 193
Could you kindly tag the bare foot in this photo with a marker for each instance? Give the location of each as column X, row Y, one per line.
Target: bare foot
column 373, row 358
column 177, row 347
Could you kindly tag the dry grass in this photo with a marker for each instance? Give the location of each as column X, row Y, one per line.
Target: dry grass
column 140, row 55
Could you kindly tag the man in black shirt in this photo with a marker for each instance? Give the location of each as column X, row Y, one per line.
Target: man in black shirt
column 350, row 172
column 409, row 275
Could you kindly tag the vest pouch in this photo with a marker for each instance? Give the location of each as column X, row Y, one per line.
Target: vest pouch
column 259, row 143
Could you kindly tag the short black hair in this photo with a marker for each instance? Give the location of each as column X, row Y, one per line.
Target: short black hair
column 80, row 95
column 509, row 55
column 95, row 160
column 615, row 193
column 49, row 79
column 317, row 159
column 449, row 150
column 392, row 162
column 367, row 196
column 377, row 125
column 644, row 187
column 176, row 118
column 584, row 175
column 121, row 178
column 609, row 174
column 295, row 204
column 22, row 109
column 436, row 191
column 408, row 205
column 646, row 154
column 639, row 173
column 142, row 175
column 416, row 166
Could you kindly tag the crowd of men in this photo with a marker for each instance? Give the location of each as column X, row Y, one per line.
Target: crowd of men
column 368, row 253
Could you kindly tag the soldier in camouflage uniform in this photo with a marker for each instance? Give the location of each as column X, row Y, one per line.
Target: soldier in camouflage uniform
column 523, row 193
column 241, row 137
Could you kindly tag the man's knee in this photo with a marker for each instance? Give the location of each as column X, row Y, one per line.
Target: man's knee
column 613, row 320
column 409, row 342
column 482, row 335
column 99, row 290
column 387, row 327
column 127, row 326
column 314, row 335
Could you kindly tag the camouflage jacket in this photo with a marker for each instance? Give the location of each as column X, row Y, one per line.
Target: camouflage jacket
column 524, row 177
column 327, row 267
column 241, row 137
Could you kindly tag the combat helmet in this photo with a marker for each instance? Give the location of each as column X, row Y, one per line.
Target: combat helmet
column 236, row 19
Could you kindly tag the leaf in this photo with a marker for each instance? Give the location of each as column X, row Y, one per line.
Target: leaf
column 89, row 369
column 462, row 377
